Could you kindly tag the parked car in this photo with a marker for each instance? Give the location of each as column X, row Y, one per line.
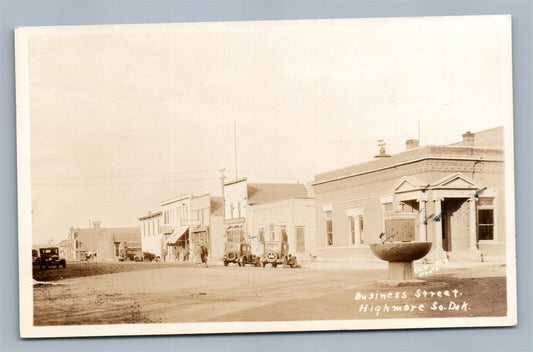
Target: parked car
column 50, row 257
column 35, row 257
column 276, row 253
column 132, row 255
column 241, row 254
column 150, row 257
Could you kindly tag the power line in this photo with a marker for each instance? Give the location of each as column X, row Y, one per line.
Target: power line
column 122, row 176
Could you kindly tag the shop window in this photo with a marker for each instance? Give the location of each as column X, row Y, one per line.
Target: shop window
column 300, row 239
column 329, row 227
column 283, row 232
column 261, row 231
column 485, row 224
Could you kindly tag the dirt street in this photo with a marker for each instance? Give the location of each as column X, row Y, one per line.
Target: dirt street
column 192, row 294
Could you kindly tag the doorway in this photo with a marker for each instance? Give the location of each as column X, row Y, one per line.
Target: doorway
column 454, row 219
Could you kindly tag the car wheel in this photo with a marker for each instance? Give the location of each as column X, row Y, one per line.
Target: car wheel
column 244, row 261
column 225, row 263
column 274, row 265
column 264, row 264
column 57, row 266
column 157, row 259
column 64, row 264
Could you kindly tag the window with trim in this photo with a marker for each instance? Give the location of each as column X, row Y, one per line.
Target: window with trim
column 329, row 227
column 485, row 219
column 356, row 229
column 283, row 233
column 300, row 239
column 261, row 231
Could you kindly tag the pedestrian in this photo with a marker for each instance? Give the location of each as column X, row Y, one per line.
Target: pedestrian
column 203, row 254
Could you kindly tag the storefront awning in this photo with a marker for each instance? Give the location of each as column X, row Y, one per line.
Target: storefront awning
column 176, row 234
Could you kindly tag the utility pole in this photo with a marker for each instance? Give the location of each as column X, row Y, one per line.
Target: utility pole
column 235, row 134
column 222, row 178
column 418, row 132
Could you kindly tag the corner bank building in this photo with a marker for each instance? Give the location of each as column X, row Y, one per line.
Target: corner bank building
column 450, row 195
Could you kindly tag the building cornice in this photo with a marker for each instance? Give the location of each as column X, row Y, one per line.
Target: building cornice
column 235, row 181
column 392, row 166
column 173, row 200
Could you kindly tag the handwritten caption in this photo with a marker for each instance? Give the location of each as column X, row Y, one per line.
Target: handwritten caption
column 378, row 302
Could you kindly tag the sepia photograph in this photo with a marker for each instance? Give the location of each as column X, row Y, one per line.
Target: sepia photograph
column 264, row 176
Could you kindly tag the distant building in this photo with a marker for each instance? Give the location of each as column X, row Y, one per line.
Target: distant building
column 259, row 212
column 183, row 224
column 102, row 243
column 451, row 195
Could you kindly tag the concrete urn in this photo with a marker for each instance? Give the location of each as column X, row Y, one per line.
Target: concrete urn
column 400, row 256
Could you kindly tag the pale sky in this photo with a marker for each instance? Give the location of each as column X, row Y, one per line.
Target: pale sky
column 123, row 117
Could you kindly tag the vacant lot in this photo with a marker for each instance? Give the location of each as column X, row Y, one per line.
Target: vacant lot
column 80, row 269
column 143, row 293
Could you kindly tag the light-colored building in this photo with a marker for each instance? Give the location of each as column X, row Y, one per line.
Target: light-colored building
column 259, row 212
column 182, row 225
column 151, row 239
column 451, row 195
column 103, row 243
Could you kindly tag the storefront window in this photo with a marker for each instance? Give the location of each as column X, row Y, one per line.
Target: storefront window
column 329, row 227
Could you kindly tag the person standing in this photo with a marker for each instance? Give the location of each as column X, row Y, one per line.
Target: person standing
column 203, row 254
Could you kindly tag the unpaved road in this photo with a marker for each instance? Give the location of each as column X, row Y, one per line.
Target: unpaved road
column 193, row 294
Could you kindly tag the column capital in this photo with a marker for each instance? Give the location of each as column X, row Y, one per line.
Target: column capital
column 438, row 199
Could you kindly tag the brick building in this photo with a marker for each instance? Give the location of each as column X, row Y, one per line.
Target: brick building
column 452, row 195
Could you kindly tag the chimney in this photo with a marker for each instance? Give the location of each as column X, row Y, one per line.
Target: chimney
column 412, row 144
column 96, row 224
column 468, row 139
column 382, row 152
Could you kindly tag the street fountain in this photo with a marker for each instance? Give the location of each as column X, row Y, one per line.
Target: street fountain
column 400, row 256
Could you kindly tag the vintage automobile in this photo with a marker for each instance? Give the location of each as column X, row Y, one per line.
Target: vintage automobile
column 277, row 252
column 131, row 255
column 241, row 254
column 49, row 256
column 151, row 257
column 35, row 257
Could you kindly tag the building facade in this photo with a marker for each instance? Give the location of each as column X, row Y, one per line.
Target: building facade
column 452, row 196
column 183, row 224
column 259, row 212
column 101, row 243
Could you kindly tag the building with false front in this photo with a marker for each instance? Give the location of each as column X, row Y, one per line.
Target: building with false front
column 100, row 243
column 452, row 195
column 259, row 212
column 184, row 223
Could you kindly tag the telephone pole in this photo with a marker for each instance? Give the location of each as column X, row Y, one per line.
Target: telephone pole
column 222, row 178
column 235, row 134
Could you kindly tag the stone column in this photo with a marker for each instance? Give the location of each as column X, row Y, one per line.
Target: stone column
column 474, row 253
column 422, row 221
column 438, row 225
